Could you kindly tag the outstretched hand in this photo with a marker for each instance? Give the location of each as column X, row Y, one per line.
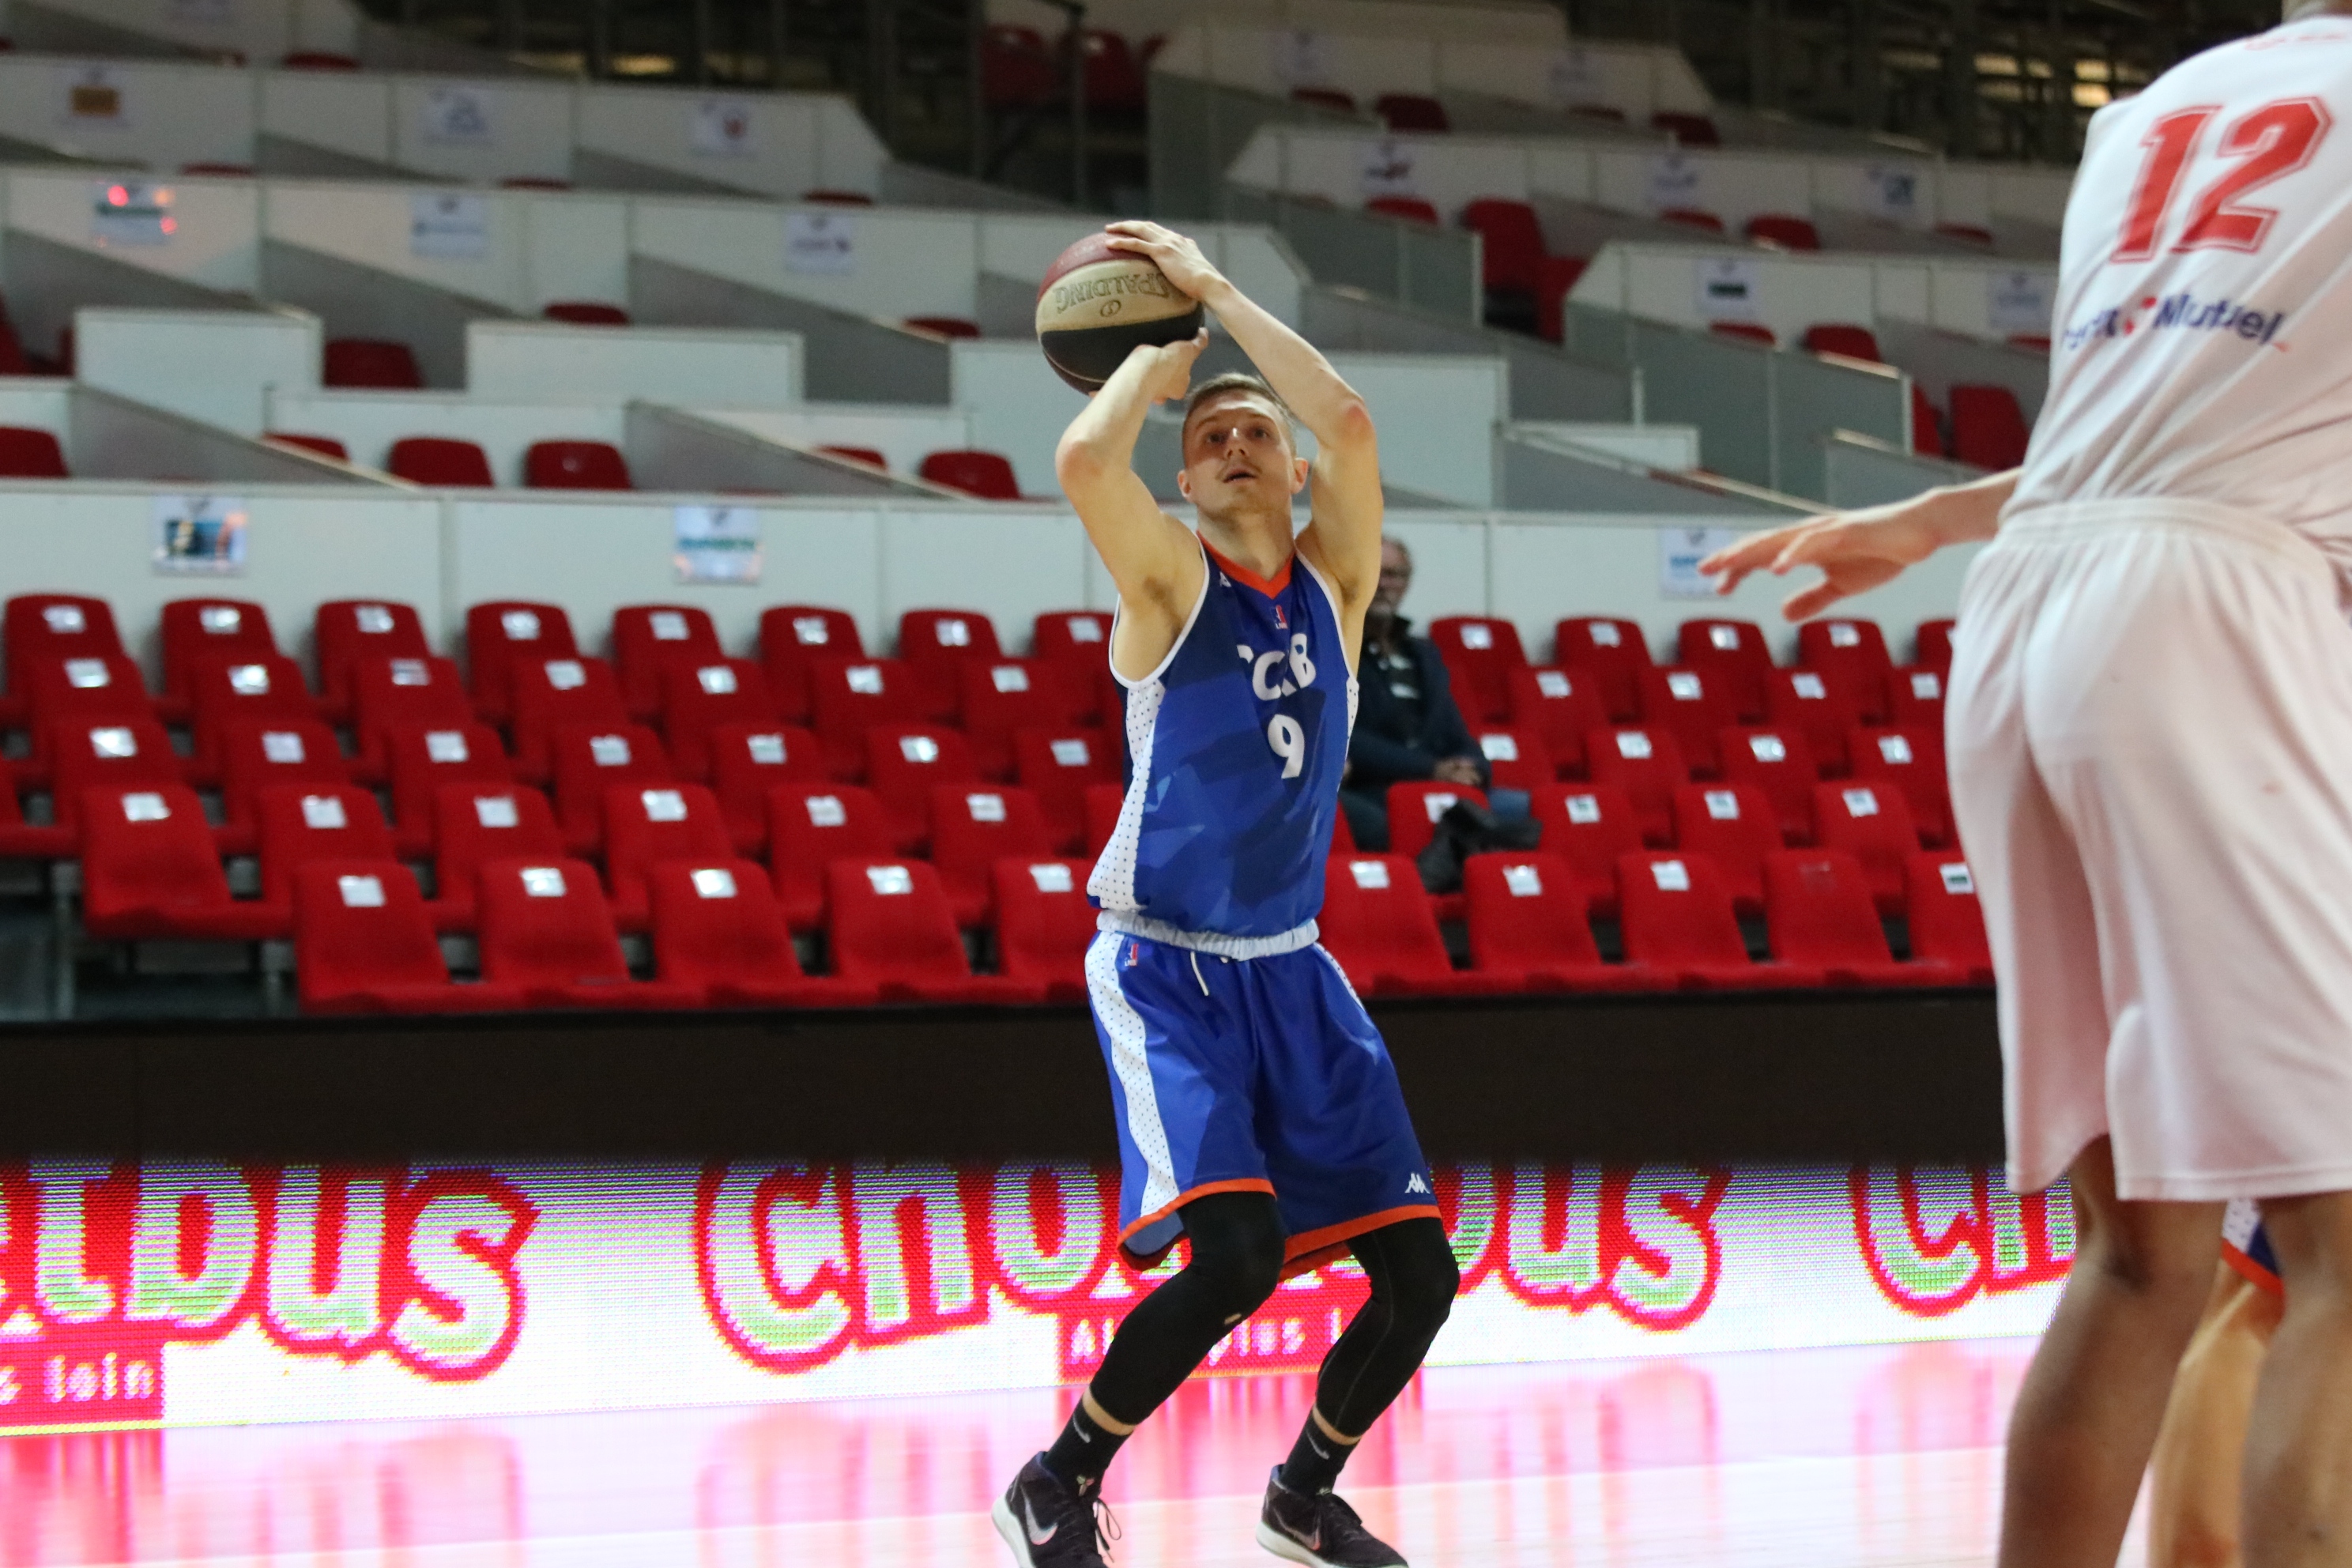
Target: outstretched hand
column 1177, row 254
column 1856, row 551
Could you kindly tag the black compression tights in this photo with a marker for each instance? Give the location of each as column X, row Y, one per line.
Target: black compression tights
column 1236, row 1260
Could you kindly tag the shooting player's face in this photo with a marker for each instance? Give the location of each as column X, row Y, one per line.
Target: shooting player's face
column 1238, row 457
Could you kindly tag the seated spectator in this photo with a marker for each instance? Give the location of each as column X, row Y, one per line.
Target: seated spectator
column 1407, row 725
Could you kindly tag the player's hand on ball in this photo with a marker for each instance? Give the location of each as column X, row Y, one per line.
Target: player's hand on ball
column 1177, row 254
column 1856, row 551
column 1172, row 376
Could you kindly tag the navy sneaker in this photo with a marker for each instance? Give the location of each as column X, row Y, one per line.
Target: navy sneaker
column 1051, row 1524
column 1321, row 1531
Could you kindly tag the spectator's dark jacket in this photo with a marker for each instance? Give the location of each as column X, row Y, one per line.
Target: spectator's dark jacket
column 1386, row 749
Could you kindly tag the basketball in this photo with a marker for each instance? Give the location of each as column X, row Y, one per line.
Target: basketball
column 1096, row 304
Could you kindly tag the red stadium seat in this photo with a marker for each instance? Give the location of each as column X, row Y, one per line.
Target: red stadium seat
column 972, row 828
column 1745, row 333
column 12, row 349
column 1044, row 924
column 1689, row 130
column 1973, row 234
column 1734, row 658
column 650, row 638
column 1736, row 828
column 698, row 699
column 347, row 631
column 905, row 763
column 1061, row 767
column 1782, row 229
column 1410, row 209
column 29, row 454
column 1941, row 912
column 1647, row 764
column 87, row 690
column 1934, row 645
column 21, row 840
column 256, row 755
column 1515, row 759
column 848, row 696
column 1694, row 217
column 810, row 825
column 1803, row 703
column 943, row 327
column 1112, row 78
column 1017, row 69
column 50, row 628
column 1562, row 706
column 585, row 313
column 302, row 823
column 1415, row 807
column 1988, row 429
column 1480, row 652
column 554, row 693
column 1379, row 927
column 1589, row 827
column 1329, row 98
column 1677, row 920
column 222, row 171
column 1078, row 635
column 109, row 753
column 1910, row 762
column 1613, row 652
column 476, row 824
column 1104, row 803
column 1838, row 338
column 370, row 363
column 718, row 930
column 887, row 923
column 317, row 60
column 418, row 762
column 870, row 456
column 1852, row 654
column 792, row 639
column 1927, row 425
column 1513, row 243
column 747, row 760
column 1527, row 927
column 999, row 698
column 546, row 929
column 934, row 643
column 1411, row 112
column 1819, row 915
column 1683, row 704
column 1778, row 765
column 225, row 693
column 150, row 870
column 985, row 475
column 576, row 466
column 1873, row 824
column 364, row 943
column 1915, row 698
column 393, row 693
column 647, row 824
column 198, row 632
column 440, row 461
column 590, row 759
column 1554, row 280
column 503, row 633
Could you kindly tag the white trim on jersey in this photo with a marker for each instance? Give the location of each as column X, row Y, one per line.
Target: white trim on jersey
column 1118, row 608
column 1332, row 595
column 1130, row 1064
column 1112, row 881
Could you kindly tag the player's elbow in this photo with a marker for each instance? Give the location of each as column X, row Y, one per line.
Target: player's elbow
column 1351, row 426
column 1080, row 463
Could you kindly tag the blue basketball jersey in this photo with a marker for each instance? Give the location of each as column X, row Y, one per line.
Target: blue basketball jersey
column 1236, row 745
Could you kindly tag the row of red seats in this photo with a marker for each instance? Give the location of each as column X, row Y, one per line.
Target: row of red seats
column 1020, row 71
column 1419, row 112
column 1987, row 423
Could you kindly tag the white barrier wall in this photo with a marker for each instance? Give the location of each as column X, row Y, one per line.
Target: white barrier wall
column 1522, row 25
column 782, row 144
column 205, row 231
column 258, row 29
column 35, row 403
column 1689, row 286
column 368, row 423
column 521, row 249
column 904, row 436
column 547, row 362
column 216, row 367
column 159, row 112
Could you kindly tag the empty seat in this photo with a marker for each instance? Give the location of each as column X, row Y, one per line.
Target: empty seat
column 870, row 456
column 905, row 763
column 476, row 824
column 1734, row 826
column 1379, row 925
column 647, row 824
column 30, row 454
column 848, row 696
column 934, row 643
column 1411, row 112
column 1562, row 706
column 1852, row 656
column 1412, row 209
column 1934, row 645
column 999, row 697
column 702, row 698
column 585, row 313
column 1802, row 703
column 1677, row 920
column 440, row 461
column 317, row 60
column 587, row 760
column 104, row 753
column 245, row 690
column 1104, row 801
column 1512, row 243
column 1819, row 915
column 299, row 823
column 986, row 475
column 1686, row 705
column 1873, row 824
column 1778, row 765
column 812, row 825
column 1589, row 827
column 1910, row 762
column 1732, row 656
column 576, row 466
column 553, row 693
column 1988, row 429
column 792, row 639
column 369, row 361
column 1927, row 425
column 1782, row 229
column 393, row 693
column 1555, row 280
column 1941, row 912
column 1525, row 916
column 85, row 690
column 197, row 632
column 1839, row 338
column 747, row 760
column 256, row 755
column 364, row 943
column 1613, row 651
column 648, row 640
column 1329, row 98
column 1745, row 333
column 718, row 930
column 150, row 870
column 1915, row 698
column 975, row 826
column 1077, row 637
column 1480, row 652
column 1689, row 130
column 419, row 762
column 47, row 629
column 22, row 840
column 944, row 326
column 1044, row 924
column 1016, row 70
column 1061, row 767
column 546, row 929
column 1515, row 759
column 503, row 633
column 887, row 923
column 1647, row 764
column 1698, row 218
column 346, row 631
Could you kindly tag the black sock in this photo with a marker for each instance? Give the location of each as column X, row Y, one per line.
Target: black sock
column 1315, row 1461
column 1083, row 1450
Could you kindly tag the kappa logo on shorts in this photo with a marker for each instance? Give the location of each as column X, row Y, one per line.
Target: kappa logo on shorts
column 1414, row 1184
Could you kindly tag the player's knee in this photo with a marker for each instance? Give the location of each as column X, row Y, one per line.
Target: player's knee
column 1237, row 1252
column 1421, row 1278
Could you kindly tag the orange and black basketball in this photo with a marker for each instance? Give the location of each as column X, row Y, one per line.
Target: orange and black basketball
column 1096, row 304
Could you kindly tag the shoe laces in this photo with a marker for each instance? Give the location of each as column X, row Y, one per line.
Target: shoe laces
column 1088, row 1507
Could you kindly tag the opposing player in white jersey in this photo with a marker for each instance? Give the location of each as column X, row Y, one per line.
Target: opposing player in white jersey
column 2150, row 734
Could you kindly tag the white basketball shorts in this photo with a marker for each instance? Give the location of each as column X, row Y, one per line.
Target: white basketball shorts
column 2151, row 735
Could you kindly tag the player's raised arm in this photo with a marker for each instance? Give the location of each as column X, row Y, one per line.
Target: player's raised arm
column 1153, row 559
column 1345, row 537
column 1858, row 550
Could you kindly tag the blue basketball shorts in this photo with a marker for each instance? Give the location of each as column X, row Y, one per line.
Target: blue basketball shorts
column 1250, row 1075
column 2246, row 1245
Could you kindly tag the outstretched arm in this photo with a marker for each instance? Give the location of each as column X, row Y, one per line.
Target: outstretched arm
column 1859, row 551
column 1345, row 494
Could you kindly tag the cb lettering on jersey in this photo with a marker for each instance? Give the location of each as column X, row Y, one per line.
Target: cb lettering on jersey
column 1283, row 733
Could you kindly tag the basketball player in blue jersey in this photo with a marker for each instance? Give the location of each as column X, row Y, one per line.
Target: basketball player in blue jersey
column 1259, row 1117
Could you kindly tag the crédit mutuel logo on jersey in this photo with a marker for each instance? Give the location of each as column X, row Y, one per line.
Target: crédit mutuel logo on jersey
column 2183, row 311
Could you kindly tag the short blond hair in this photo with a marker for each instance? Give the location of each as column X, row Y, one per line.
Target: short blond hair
column 1235, row 380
